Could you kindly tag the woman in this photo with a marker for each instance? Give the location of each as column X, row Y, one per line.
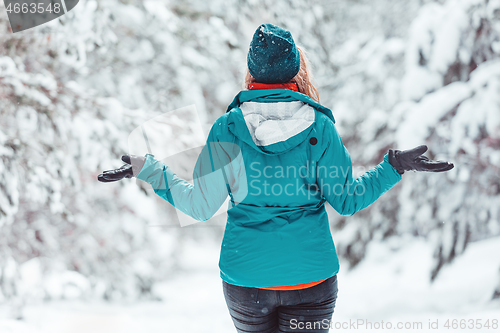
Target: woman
column 278, row 156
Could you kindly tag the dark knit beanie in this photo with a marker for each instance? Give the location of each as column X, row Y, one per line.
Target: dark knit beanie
column 273, row 56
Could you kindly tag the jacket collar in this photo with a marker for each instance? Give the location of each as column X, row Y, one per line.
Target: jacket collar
column 237, row 125
column 276, row 95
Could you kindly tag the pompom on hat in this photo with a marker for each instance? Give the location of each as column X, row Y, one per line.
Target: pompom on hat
column 273, row 56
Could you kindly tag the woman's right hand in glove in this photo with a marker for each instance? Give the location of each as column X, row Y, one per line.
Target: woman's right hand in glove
column 129, row 170
column 413, row 159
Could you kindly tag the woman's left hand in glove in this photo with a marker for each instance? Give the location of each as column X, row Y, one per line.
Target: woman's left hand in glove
column 129, row 170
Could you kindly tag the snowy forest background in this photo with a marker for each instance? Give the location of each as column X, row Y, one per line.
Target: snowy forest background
column 396, row 74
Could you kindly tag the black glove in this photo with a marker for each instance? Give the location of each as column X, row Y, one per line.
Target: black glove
column 113, row 175
column 414, row 160
column 131, row 169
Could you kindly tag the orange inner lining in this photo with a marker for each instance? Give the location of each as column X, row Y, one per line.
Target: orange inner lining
column 294, row 287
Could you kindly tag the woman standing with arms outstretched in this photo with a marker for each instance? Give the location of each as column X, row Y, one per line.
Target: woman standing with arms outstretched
column 277, row 154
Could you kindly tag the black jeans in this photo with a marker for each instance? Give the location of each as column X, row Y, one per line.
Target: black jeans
column 271, row 311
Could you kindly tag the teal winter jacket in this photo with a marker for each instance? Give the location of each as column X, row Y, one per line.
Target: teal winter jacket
column 279, row 157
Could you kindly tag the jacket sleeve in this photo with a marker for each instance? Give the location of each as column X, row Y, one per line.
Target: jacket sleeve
column 210, row 188
column 334, row 177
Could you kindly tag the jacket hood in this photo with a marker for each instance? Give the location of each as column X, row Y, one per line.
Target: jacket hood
column 270, row 123
column 273, row 121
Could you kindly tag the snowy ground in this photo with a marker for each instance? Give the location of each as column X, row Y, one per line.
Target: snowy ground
column 390, row 286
